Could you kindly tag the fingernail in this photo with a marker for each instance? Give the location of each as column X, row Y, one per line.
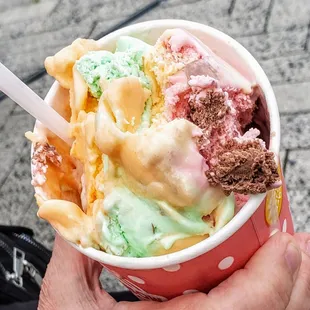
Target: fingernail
column 293, row 258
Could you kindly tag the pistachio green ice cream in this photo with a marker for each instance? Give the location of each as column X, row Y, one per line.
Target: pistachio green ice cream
column 126, row 61
column 139, row 227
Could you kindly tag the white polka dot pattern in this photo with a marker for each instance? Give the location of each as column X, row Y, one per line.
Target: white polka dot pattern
column 140, row 293
column 273, row 232
column 226, row 263
column 187, row 292
column 136, row 279
column 284, row 225
column 173, row 268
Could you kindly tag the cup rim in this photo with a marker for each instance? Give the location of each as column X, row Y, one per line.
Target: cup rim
column 255, row 200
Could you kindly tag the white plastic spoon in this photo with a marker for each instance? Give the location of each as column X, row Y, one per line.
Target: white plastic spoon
column 19, row 92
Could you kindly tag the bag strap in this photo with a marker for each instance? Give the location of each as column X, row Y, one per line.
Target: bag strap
column 16, row 229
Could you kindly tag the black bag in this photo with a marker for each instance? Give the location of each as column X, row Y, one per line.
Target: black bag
column 23, row 263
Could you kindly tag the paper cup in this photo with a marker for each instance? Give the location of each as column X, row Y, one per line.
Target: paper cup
column 204, row 265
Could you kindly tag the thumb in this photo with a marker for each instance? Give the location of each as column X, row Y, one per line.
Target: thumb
column 267, row 280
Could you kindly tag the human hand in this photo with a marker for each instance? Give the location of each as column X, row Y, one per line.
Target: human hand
column 277, row 277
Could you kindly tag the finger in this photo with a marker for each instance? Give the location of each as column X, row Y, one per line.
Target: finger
column 72, row 281
column 195, row 301
column 300, row 298
column 265, row 283
column 267, row 280
column 65, row 257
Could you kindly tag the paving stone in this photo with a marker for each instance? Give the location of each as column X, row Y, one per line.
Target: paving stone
column 213, row 13
column 210, row 9
column 200, row 10
column 178, row 2
column 43, row 231
column 12, row 142
column 298, row 169
column 240, row 26
column 282, row 157
column 295, row 131
column 23, row 28
column 26, row 66
column 64, row 36
column 41, row 41
column 65, row 13
column 5, row 5
column 287, row 14
column 117, row 9
column 110, row 283
column 293, row 98
column 16, row 193
column 300, row 208
column 308, row 39
column 68, row 12
column 243, row 7
column 276, row 44
column 6, row 108
column 290, row 69
column 36, row 48
column 33, row 10
column 41, row 87
column 103, row 27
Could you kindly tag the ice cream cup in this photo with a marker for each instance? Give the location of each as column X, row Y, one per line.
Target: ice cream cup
column 204, row 265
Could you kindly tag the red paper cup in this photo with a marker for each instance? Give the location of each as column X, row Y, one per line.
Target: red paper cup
column 204, row 265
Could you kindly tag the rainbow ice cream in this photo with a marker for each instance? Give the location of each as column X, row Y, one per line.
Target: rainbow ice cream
column 163, row 145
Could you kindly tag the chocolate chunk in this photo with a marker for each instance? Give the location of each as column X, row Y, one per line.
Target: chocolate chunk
column 244, row 167
column 207, row 110
column 202, row 144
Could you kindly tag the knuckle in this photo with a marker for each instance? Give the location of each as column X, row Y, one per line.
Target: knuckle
column 196, row 301
column 282, row 238
column 277, row 294
column 235, row 280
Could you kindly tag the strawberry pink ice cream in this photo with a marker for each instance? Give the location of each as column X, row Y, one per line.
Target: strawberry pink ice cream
column 221, row 102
